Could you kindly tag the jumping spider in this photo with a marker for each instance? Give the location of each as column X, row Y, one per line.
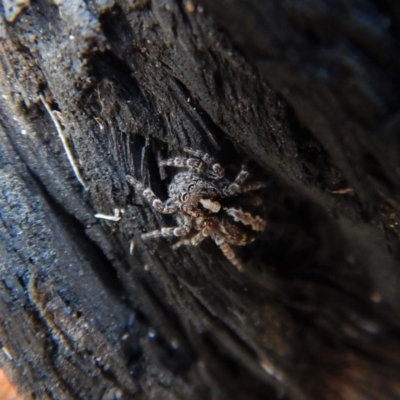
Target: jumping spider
column 208, row 204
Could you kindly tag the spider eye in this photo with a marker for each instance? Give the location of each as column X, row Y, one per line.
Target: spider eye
column 185, row 197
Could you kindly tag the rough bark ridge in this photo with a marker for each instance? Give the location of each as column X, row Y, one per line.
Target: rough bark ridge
column 307, row 90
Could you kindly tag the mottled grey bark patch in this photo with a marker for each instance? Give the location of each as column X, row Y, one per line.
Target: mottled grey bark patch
column 306, row 93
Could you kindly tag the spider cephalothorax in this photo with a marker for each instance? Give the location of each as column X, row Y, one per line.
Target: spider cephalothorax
column 207, row 204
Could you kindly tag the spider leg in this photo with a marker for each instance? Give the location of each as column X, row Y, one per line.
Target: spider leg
column 193, row 164
column 167, row 207
column 237, row 184
column 248, row 187
column 231, row 256
column 181, row 230
column 228, row 252
column 193, row 240
column 256, row 222
column 208, row 160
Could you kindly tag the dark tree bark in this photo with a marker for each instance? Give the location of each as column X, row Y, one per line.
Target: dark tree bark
column 309, row 91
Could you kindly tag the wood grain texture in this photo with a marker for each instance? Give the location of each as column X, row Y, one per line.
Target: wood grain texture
column 307, row 92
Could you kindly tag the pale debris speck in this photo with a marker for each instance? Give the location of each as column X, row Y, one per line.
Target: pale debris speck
column 131, row 246
column 190, row 7
column 342, row 191
column 116, row 217
column 376, row 297
column 55, row 117
column 270, row 369
column 6, row 352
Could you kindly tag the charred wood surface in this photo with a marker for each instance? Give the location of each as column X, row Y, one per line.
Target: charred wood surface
column 308, row 92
